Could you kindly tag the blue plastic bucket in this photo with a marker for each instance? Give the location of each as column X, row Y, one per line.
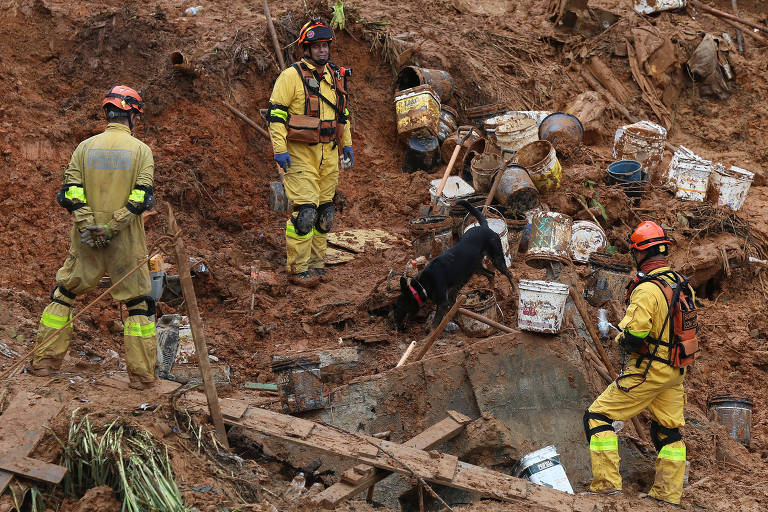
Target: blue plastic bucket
column 625, row 171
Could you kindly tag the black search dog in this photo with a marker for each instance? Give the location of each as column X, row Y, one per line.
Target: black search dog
column 443, row 277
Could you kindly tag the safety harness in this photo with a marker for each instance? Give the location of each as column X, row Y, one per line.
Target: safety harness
column 682, row 347
column 309, row 128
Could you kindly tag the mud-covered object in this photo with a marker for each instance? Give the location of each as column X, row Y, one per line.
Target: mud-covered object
column 709, row 66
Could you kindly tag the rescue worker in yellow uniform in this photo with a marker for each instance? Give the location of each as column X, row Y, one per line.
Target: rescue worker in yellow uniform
column 648, row 380
column 107, row 185
column 308, row 122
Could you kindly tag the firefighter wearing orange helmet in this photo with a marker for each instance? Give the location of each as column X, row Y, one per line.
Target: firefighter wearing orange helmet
column 653, row 376
column 308, row 121
column 107, row 185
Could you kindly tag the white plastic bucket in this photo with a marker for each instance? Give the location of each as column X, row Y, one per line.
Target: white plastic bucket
column 643, row 142
column 455, row 189
column 500, row 227
column 692, row 178
column 586, row 238
column 543, row 467
column 516, row 133
column 541, row 305
column 734, row 184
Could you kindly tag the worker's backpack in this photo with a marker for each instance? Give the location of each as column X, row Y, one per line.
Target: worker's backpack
column 681, row 315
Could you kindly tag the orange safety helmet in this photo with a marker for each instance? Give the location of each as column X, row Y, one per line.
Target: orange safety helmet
column 315, row 31
column 648, row 234
column 124, row 98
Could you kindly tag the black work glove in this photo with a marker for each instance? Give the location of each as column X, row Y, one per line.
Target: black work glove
column 630, row 342
column 96, row 236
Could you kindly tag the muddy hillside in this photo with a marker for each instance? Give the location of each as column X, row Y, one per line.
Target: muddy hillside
column 575, row 119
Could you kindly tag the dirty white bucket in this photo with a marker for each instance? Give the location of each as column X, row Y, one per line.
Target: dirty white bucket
column 455, row 189
column 643, row 141
column 516, row 133
column 500, row 227
column 586, row 238
column 651, row 6
column 543, row 467
column 541, row 305
column 682, row 154
column 692, row 178
column 734, row 184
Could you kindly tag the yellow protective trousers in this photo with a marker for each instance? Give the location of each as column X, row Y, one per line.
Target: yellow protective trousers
column 80, row 273
column 663, row 395
column 311, row 179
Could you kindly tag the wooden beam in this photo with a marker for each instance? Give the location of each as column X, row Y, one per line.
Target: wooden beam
column 430, row 340
column 33, row 468
column 196, row 325
column 431, row 466
column 357, row 479
column 22, row 427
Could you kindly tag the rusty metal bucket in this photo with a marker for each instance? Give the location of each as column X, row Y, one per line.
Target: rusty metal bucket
column 606, row 281
column 734, row 412
column 413, row 76
column 516, row 190
column 483, row 302
column 550, row 239
column 432, row 235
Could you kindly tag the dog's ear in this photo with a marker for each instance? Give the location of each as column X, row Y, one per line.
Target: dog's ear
column 403, row 284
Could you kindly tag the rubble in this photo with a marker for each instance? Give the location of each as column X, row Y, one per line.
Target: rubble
column 458, row 410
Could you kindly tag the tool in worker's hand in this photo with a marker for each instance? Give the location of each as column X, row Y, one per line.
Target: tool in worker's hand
column 346, row 163
column 603, row 325
column 277, row 198
column 459, row 142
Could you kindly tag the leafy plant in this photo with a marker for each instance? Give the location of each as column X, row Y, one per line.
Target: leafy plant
column 124, row 457
column 338, row 21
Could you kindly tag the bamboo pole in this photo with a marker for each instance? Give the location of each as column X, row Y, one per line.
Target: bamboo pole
column 247, row 120
column 198, row 336
column 272, row 32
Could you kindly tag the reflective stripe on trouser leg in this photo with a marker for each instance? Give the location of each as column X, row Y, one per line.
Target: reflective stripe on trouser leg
column 670, row 471
column 140, row 347
column 604, row 453
column 49, row 353
column 298, row 249
column 319, row 246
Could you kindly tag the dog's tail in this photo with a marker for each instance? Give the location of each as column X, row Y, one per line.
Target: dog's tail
column 474, row 211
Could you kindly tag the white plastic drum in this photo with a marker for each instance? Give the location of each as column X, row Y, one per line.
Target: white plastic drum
column 586, row 238
column 500, row 227
column 541, row 305
column 543, row 467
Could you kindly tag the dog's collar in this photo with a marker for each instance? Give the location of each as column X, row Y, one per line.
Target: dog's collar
column 416, row 294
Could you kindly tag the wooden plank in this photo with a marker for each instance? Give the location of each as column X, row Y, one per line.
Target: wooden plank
column 300, row 428
column 360, row 477
column 33, row 468
column 467, row 477
column 231, row 408
column 21, row 427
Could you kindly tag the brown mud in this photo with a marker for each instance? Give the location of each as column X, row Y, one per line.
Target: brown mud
column 60, row 56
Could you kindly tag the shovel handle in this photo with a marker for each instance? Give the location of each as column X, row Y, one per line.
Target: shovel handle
column 459, row 142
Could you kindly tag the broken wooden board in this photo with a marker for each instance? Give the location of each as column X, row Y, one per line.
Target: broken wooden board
column 432, row 466
column 335, row 256
column 356, row 240
column 33, row 468
column 22, row 426
column 230, row 408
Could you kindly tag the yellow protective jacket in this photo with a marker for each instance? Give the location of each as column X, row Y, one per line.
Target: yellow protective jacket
column 646, row 313
column 104, row 173
column 289, row 92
